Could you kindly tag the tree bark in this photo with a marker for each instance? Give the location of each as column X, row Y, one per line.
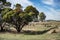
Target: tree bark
column 2, row 29
column 19, row 27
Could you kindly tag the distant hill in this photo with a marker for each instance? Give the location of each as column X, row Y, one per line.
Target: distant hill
column 53, row 20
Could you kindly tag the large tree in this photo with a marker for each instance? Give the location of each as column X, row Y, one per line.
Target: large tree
column 42, row 16
column 12, row 16
column 17, row 17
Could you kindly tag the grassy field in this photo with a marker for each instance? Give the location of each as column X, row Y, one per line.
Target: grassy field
column 27, row 36
column 10, row 36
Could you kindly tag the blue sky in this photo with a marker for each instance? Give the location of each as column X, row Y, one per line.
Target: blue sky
column 51, row 8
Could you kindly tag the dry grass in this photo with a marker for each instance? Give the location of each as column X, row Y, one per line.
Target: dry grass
column 39, row 26
column 9, row 36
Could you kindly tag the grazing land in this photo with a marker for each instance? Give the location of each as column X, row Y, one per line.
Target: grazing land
column 35, row 31
column 9, row 36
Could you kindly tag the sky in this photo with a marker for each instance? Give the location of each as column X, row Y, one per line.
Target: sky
column 51, row 8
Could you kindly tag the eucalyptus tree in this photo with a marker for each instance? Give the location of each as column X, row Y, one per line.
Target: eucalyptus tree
column 42, row 16
column 17, row 17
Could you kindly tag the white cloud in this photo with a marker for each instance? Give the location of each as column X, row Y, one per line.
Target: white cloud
column 49, row 2
column 53, row 13
column 24, row 3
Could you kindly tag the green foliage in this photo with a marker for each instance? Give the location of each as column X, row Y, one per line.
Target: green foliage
column 31, row 9
column 26, row 16
column 5, row 10
column 31, row 13
column 18, row 5
column 8, row 15
column 22, row 15
column 7, row 4
column 18, row 8
column 42, row 16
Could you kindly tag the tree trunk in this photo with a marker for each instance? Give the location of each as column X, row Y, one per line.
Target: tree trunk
column 2, row 29
column 2, row 26
column 41, row 20
column 19, row 27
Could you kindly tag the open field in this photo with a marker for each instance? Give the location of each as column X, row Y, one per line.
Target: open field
column 9, row 36
column 40, row 26
column 35, row 31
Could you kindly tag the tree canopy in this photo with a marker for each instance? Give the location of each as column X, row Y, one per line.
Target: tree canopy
column 31, row 9
column 42, row 16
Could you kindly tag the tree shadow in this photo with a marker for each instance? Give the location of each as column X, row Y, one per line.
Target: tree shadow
column 29, row 32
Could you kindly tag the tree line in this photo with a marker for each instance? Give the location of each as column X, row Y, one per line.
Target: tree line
column 18, row 16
